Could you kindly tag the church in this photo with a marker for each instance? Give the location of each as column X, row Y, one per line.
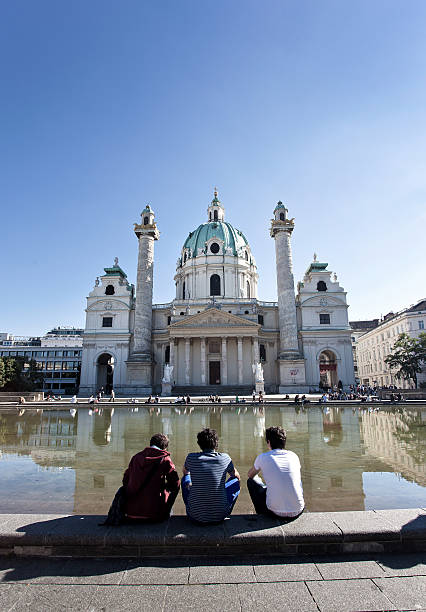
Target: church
column 209, row 337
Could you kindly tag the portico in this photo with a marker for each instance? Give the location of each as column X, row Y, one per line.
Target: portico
column 213, row 348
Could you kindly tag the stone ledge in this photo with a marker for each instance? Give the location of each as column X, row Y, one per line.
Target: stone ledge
column 311, row 533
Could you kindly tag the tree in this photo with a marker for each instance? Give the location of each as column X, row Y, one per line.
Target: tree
column 19, row 374
column 408, row 356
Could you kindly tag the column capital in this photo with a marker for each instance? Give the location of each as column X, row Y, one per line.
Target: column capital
column 149, row 231
column 277, row 227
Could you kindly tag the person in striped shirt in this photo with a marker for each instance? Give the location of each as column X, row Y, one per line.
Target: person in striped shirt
column 208, row 495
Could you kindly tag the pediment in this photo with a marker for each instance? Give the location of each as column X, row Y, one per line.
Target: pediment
column 323, row 300
column 213, row 317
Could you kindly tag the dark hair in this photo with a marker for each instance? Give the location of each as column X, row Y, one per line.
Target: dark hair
column 208, row 439
column 159, row 440
column 276, row 436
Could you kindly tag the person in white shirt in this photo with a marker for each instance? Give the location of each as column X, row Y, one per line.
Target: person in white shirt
column 281, row 494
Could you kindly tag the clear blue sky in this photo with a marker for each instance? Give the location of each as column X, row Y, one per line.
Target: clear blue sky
column 106, row 106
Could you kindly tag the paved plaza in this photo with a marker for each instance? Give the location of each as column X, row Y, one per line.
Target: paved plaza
column 308, row 583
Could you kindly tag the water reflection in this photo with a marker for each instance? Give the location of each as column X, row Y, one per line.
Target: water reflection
column 77, row 457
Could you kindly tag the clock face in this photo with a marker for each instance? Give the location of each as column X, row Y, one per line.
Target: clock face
column 323, row 301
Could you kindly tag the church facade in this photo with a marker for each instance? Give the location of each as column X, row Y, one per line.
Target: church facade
column 216, row 328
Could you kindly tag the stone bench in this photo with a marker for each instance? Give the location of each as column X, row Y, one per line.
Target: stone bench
column 241, row 535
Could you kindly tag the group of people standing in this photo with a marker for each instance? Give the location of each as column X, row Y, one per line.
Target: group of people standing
column 210, row 482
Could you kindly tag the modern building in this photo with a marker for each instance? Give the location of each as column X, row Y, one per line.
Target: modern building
column 58, row 356
column 216, row 328
column 376, row 344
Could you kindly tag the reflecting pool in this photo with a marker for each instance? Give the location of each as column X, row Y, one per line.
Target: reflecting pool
column 54, row 461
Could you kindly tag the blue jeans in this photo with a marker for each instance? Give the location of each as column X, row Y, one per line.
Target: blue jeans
column 232, row 488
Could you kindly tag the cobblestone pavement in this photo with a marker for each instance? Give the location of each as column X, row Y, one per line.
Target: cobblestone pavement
column 353, row 583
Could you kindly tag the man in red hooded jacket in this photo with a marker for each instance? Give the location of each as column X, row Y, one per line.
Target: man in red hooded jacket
column 151, row 482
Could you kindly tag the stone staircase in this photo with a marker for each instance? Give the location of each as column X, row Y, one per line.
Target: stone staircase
column 207, row 390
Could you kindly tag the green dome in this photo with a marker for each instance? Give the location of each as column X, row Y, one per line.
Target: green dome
column 221, row 230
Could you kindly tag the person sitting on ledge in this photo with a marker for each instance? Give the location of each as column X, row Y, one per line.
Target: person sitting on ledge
column 208, row 496
column 151, row 482
column 282, row 495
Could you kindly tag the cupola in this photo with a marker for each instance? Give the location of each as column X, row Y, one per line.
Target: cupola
column 215, row 211
column 280, row 212
column 147, row 216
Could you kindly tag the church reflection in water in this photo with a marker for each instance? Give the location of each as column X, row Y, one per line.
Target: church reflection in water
column 336, row 446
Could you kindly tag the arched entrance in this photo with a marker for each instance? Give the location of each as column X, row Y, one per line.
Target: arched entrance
column 328, row 369
column 105, row 372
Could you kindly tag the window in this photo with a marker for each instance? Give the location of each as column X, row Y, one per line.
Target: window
column 421, row 324
column 106, row 321
column 145, row 220
column 215, row 215
column 109, row 290
column 246, row 256
column 182, row 314
column 262, row 352
column 214, row 248
column 246, row 312
column 260, row 319
column 49, row 365
column 321, row 286
column 58, row 354
column 167, row 354
column 282, row 217
column 169, row 320
column 185, row 257
column 324, row 319
column 214, row 284
column 184, row 291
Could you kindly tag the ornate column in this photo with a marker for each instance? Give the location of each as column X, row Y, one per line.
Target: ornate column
column 172, row 351
column 281, row 230
column 224, row 365
column 187, row 361
column 240, row 359
column 139, row 365
column 203, row 361
column 255, row 354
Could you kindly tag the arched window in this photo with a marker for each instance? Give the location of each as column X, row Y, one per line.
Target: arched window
column 184, row 291
column 215, row 215
column 246, row 256
column 145, row 220
column 185, row 257
column 215, row 284
column 210, row 216
column 262, row 352
column 282, row 217
column 248, row 289
column 167, row 354
column 109, row 290
column 321, row 286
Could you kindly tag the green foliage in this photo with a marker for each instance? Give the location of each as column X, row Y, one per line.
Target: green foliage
column 19, row 374
column 408, row 356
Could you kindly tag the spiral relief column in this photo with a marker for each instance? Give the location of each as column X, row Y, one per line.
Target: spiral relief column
column 139, row 365
column 291, row 363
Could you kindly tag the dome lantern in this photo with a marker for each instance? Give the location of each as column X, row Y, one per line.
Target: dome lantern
column 215, row 211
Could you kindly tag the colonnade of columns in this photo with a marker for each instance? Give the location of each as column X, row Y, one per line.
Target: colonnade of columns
column 204, row 358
